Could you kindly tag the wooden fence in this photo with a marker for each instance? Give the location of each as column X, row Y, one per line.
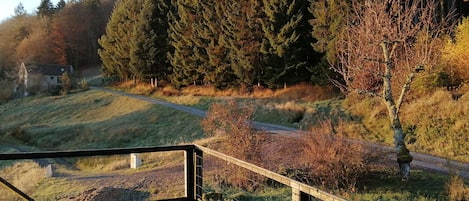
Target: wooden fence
column 193, row 169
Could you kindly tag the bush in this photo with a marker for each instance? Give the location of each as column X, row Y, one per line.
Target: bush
column 232, row 121
column 430, row 82
column 455, row 54
column 66, row 83
column 84, row 84
column 335, row 162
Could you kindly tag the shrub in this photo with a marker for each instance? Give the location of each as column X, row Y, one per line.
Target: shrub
column 455, row 54
column 430, row 82
column 83, row 84
column 232, row 121
column 66, row 84
column 335, row 162
column 456, row 189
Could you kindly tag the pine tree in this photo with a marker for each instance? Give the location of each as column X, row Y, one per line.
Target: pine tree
column 149, row 42
column 60, row 5
column 19, row 10
column 115, row 44
column 45, row 9
column 286, row 46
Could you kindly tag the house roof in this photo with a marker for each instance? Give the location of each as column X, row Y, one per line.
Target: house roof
column 49, row 69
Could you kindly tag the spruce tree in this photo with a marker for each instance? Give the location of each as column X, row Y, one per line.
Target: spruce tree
column 183, row 59
column 243, row 37
column 115, row 43
column 217, row 70
column 45, row 9
column 149, row 41
column 328, row 24
column 286, row 46
column 60, row 5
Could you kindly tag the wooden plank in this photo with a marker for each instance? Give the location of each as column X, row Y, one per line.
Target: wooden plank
column 318, row 193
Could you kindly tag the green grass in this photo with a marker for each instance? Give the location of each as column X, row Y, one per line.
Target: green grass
column 91, row 119
column 386, row 185
column 56, row 189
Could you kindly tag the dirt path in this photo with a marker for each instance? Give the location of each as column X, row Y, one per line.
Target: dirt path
column 423, row 161
column 156, row 183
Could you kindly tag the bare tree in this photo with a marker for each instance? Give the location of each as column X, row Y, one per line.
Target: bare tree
column 386, row 42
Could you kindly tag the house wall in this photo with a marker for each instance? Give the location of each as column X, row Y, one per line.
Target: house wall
column 49, row 82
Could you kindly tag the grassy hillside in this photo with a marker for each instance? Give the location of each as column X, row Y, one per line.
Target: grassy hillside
column 435, row 121
column 93, row 119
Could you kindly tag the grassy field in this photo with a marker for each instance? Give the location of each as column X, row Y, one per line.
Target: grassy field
column 92, row 119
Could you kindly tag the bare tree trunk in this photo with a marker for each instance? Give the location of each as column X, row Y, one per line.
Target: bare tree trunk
column 403, row 156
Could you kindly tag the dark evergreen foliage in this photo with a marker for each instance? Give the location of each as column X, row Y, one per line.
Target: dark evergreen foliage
column 243, row 37
column 219, row 43
column 45, row 9
column 115, row 43
column 149, row 41
column 287, row 52
column 184, row 62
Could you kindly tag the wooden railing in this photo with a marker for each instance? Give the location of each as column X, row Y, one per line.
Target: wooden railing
column 193, row 169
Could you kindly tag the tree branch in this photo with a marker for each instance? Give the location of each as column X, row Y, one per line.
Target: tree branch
column 405, row 89
column 369, row 93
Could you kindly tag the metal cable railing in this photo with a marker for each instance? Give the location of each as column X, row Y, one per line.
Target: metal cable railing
column 193, row 169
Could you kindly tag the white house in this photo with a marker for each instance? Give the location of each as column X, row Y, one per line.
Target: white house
column 42, row 77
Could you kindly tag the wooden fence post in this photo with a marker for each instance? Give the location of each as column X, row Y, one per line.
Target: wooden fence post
column 295, row 194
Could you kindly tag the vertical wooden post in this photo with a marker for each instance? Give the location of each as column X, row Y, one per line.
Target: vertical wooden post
column 189, row 170
column 298, row 195
column 295, row 194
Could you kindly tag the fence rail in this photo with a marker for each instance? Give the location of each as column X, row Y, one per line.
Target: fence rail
column 193, row 169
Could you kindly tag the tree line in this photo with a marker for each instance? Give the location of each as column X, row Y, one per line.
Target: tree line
column 65, row 33
column 223, row 44
column 218, row 43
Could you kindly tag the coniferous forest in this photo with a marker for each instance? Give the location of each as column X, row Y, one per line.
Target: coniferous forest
column 223, row 44
column 219, row 43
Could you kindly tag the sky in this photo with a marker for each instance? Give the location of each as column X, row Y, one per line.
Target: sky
column 7, row 7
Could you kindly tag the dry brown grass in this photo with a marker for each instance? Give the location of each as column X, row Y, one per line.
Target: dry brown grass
column 137, row 88
column 441, row 124
column 456, row 189
column 435, row 123
column 307, row 92
column 303, row 92
column 26, row 176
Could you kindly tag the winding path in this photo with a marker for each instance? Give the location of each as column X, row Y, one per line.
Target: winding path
column 423, row 161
